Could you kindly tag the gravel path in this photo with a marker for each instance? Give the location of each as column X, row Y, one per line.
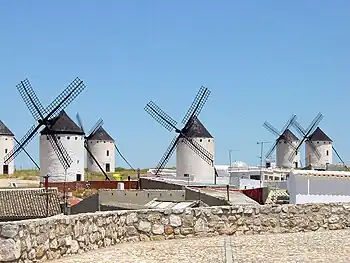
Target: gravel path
column 326, row 246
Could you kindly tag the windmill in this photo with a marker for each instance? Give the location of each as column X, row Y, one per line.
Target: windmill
column 46, row 118
column 306, row 133
column 7, row 142
column 91, row 157
column 313, row 146
column 285, row 144
column 187, row 139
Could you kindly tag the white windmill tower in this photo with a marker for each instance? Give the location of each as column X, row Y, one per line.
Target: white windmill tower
column 100, row 148
column 318, row 149
column 6, row 145
column 318, row 146
column 101, row 145
column 194, row 144
column 72, row 139
column 285, row 145
column 188, row 162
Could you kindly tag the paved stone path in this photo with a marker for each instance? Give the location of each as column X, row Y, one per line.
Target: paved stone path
column 327, row 246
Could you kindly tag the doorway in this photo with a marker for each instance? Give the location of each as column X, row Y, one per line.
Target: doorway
column 5, row 169
column 78, row 177
column 108, row 168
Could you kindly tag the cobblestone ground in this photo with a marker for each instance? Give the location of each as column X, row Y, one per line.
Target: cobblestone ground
column 327, row 246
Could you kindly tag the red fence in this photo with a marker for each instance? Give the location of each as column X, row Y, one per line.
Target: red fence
column 72, row 186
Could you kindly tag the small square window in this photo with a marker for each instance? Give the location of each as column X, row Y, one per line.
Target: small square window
column 200, row 140
column 5, row 150
column 5, row 139
column 76, row 138
column 59, row 137
column 208, row 140
column 104, row 142
column 68, row 137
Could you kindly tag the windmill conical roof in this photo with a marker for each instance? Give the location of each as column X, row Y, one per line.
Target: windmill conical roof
column 4, row 131
column 288, row 135
column 319, row 135
column 100, row 134
column 63, row 124
column 197, row 130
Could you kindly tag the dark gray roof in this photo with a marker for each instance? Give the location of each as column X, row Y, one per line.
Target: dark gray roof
column 100, row 135
column 197, row 130
column 16, row 204
column 63, row 124
column 4, row 130
column 319, row 135
column 288, row 135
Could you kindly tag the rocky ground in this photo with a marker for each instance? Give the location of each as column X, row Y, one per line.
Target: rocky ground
column 320, row 246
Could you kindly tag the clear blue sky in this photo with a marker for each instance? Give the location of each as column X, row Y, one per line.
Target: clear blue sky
column 262, row 60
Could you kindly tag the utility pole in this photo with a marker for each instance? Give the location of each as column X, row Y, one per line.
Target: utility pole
column 261, row 157
column 229, row 156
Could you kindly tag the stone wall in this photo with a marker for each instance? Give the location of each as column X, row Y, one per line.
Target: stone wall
column 41, row 239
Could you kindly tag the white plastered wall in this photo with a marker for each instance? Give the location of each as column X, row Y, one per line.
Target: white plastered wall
column 50, row 164
column 283, row 152
column 6, row 145
column 325, row 150
column 104, row 152
column 189, row 162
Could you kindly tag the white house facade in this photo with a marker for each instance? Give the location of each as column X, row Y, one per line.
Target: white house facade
column 72, row 139
column 188, row 162
column 311, row 186
column 7, row 143
column 320, row 141
column 101, row 145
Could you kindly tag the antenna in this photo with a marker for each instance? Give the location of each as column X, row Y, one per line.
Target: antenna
column 46, row 118
column 170, row 124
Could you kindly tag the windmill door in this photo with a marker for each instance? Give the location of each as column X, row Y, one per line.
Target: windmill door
column 108, row 168
column 5, row 169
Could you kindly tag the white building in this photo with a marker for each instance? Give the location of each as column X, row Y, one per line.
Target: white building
column 244, row 177
column 6, row 145
column 284, row 149
column 188, row 162
column 323, row 144
column 72, row 138
column 101, row 145
column 311, row 186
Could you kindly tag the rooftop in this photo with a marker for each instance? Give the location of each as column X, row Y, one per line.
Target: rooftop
column 26, row 203
column 63, row 124
column 100, row 135
column 319, row 135
column 197, row 130
column 4, row 131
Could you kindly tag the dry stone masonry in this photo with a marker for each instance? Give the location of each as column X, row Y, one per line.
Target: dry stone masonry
column 44, row 239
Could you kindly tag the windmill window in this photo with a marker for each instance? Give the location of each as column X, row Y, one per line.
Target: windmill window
column 77, row 161
column 107, row 152
column 208, row 140
column 58, row 137
column 200, row 140
column 5, row 150
column 76, row 138
column 318, row 142
column 5, row 139
column 47, row 137
column 104, row 142
column 68, row 138
column 327, row 153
